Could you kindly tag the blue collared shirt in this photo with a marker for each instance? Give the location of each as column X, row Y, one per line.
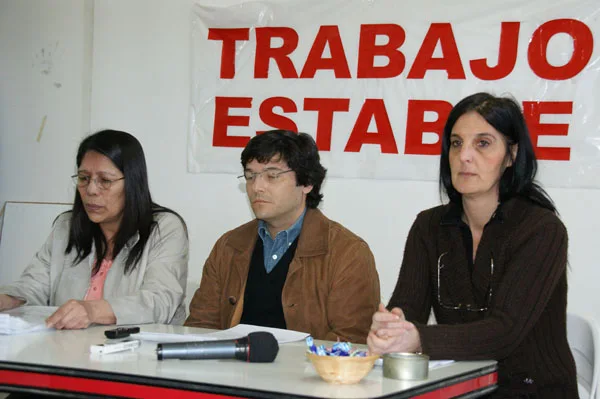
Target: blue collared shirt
column 273, row 250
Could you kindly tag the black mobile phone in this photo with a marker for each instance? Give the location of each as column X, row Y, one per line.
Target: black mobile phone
column 121, row 332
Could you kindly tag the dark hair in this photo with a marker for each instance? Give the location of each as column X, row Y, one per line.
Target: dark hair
column 126, row 153
column 504, row 115
column 300, row 152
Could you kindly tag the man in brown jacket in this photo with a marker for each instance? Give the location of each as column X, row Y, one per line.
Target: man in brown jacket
column 291, row 267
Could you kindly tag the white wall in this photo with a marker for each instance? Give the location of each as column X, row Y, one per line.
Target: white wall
column 45, row 73
column 140, row 80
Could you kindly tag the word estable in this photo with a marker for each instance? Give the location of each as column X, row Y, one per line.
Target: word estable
column 236, row 111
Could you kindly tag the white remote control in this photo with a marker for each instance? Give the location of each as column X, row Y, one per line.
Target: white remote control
column 115, row 347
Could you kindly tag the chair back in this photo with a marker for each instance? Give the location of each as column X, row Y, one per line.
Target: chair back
column 583, row 335
column 24, row 228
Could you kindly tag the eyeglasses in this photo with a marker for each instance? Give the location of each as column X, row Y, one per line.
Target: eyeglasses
column 461, row 306
column 271, row 174
column 102, row 183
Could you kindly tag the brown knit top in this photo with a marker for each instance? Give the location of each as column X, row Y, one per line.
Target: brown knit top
column 516, row 290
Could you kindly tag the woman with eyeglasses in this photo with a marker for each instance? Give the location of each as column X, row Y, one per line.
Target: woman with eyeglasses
column 492, row 263
column 116, row 257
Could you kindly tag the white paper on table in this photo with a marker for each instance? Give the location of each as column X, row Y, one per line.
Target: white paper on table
column 25, row 319
column 439, row 363
column 241, row 330
column 170, row 337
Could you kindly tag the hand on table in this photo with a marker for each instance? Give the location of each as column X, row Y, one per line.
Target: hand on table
column 390, row 332
column 9, row 302
column 71, row 315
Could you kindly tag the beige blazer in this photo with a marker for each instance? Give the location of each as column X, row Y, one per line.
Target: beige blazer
column 152, row 293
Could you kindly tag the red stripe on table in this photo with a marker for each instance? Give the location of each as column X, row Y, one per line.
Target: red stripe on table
column 101, row 387
column 462, row 387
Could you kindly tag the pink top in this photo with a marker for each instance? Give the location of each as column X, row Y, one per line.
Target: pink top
column 96, row 288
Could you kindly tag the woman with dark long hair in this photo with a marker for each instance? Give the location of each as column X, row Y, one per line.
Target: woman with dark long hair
column 492, row 263
column 116, row 257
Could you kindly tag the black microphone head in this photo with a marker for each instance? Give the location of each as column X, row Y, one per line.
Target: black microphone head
column 262, row 347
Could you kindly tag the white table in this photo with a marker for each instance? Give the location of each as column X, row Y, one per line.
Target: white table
column 60, row 361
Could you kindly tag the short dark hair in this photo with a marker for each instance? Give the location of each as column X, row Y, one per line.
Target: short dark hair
column 300, row 152
column 126, row 153
column 503, row 114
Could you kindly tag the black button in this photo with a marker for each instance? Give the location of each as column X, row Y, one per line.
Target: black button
column 232, row 300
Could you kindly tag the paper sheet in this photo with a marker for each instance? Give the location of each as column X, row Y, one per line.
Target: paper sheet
column 169, row 337
column 241, row 330
column 25, row 319
column 439, row 363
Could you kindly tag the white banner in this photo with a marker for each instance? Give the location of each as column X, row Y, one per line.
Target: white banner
column 373, row 80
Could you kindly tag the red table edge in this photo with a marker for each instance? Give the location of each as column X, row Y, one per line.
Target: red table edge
column 85, row 385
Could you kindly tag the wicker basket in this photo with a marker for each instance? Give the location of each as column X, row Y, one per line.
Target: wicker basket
column 342, row 369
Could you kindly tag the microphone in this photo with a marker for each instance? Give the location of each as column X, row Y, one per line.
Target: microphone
column 257, row 347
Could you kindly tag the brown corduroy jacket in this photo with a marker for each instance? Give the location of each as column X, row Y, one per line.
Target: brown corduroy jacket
column 331, row 290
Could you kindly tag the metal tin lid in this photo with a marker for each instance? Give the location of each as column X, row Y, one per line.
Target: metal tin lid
column 407, row 355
